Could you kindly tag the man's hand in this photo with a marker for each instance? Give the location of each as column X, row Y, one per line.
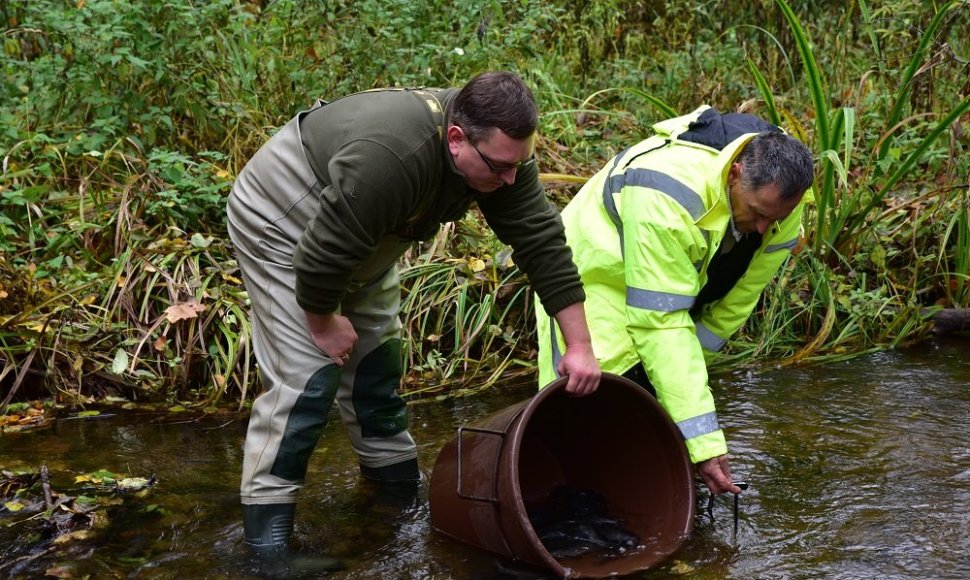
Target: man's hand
column 333, row 334
column 716, row 473
column 578, row 362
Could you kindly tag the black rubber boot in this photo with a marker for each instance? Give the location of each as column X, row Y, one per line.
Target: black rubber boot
column 268, row 529
column 392, row 488
column 405, row 471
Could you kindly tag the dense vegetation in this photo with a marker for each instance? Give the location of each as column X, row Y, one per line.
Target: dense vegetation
column 123, row 124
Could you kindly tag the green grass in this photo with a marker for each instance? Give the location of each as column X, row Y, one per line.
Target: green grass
column 120, row 136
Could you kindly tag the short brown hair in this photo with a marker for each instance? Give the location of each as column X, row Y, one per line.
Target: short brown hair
column 495, row 100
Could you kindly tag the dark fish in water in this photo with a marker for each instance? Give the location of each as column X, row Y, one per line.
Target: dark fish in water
column 576, row 523
column 563, row 545
column 574, row 538
column 613, row 532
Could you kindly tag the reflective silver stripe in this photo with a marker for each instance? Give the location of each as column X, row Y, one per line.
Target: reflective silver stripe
column 610, row 205
column 660, row 301
column 556, row 355
column 699, row 425
column 782, row 246
column 664, row 183
column 708, row 339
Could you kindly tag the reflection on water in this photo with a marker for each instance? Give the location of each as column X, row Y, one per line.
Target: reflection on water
column 858, row 469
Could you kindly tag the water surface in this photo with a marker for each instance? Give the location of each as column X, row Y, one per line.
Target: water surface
column 858, row 469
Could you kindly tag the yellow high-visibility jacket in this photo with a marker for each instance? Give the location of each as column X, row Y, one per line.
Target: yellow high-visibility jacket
column 643, row 232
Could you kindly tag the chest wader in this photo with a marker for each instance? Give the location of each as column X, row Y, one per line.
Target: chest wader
column 273, row 199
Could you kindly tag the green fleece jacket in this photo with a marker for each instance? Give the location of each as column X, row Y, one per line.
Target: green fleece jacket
column 386, row 171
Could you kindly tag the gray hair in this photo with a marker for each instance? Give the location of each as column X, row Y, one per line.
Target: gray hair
column 779, row 159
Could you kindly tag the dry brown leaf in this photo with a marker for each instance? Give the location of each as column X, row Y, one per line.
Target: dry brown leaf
column 183, row 310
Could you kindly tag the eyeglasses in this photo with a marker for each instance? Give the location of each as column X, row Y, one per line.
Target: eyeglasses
column 498, row 168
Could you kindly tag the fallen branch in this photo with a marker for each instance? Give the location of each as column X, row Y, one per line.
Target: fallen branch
column 45, row 482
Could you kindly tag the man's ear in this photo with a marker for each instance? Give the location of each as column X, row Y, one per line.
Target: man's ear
column 734, row 174
column 455, row 135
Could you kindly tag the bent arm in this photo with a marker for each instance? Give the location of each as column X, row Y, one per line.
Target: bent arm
column 578, row 363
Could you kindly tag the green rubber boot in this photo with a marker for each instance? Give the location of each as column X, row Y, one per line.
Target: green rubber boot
column 268, row 529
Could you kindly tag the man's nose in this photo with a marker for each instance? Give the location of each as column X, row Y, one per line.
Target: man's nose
column 508, row 176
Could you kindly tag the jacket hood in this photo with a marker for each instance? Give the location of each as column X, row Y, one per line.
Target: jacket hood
column 717, row 130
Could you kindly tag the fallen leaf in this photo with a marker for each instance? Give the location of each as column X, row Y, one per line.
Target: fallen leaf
column 120, row 362
column 75, row 535
column 14, row 506
column 132, row 483
column 200, row 241
column 61, row 571
column 183, row 310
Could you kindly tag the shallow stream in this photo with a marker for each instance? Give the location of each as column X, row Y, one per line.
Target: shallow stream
column 858, row 469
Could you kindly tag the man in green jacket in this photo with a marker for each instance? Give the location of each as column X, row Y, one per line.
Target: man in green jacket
column 675, row 239
column 319, row 218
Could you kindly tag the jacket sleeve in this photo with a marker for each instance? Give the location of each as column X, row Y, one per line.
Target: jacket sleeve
column 522, row 217
column 662, row 251
column 720, row 320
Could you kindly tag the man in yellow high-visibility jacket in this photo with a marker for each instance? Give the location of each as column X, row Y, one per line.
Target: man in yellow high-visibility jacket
column 675, row 239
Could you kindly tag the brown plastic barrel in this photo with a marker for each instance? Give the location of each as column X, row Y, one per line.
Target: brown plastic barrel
column 618, row 442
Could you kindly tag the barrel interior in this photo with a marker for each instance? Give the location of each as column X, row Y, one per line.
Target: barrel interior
column 622, row 447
